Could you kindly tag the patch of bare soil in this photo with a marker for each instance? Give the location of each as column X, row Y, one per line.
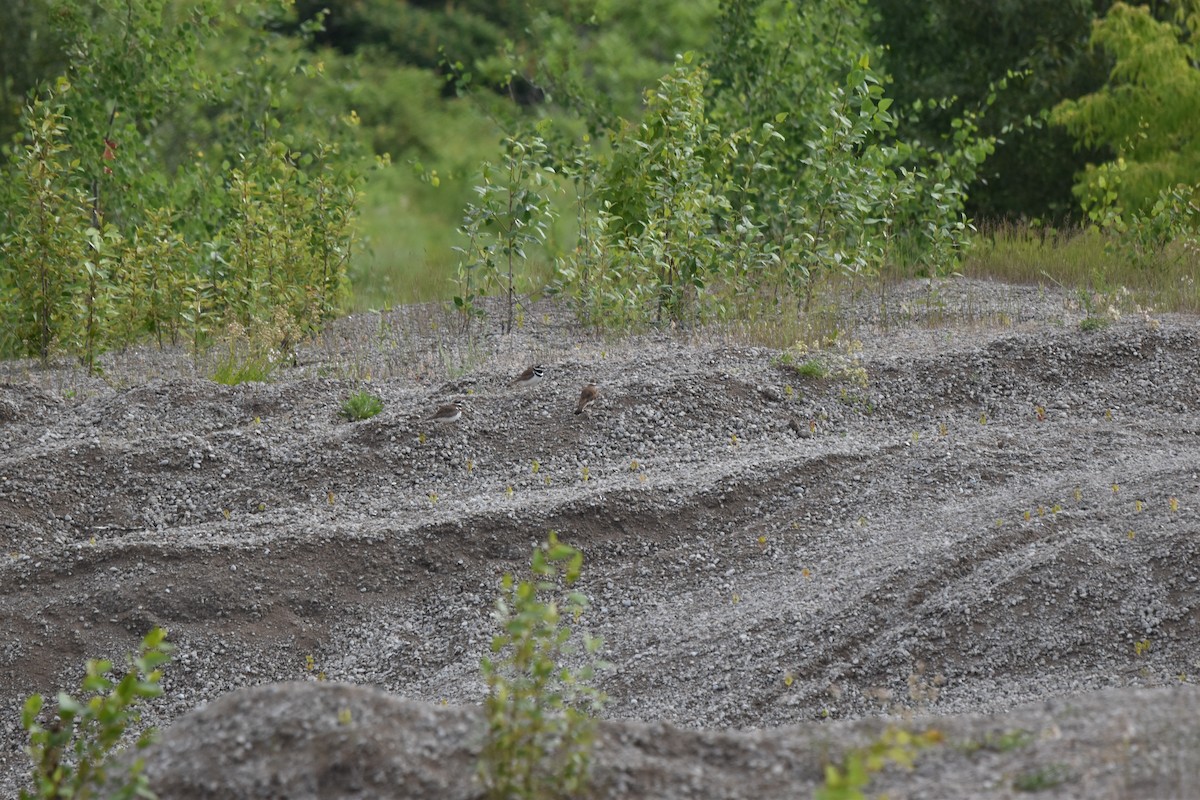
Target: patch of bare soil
column 995, row 537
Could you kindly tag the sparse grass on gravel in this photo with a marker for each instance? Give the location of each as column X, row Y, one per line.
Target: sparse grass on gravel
column 243, row 369
column 1084, row 261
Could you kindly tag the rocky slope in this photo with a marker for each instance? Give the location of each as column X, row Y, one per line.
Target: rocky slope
column 1002, row 514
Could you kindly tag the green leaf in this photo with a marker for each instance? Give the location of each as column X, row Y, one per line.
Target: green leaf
column 68, row 706
column 29, row 712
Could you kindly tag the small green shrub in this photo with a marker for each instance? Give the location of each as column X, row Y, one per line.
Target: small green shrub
column 70, row 754
column 812, row 369
column 1092, row 324
column 252, row 354
column 361, row 405
column 1042, row 778
column 894, row 746
column 539, row 724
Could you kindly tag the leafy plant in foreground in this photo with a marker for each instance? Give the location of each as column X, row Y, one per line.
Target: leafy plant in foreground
column 895, row 746
column 539, row 724
column 70, row 754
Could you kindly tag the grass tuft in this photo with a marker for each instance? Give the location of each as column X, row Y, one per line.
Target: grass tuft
column 1085, row 260
column 1093, row 324
column 236, row 369
column 812, row 368
column 360, row 406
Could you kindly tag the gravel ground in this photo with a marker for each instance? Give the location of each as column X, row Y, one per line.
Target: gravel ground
column 1003, row 515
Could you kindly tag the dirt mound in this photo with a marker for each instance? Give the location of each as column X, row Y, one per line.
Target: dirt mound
column 1003, row 513
column 337, row 742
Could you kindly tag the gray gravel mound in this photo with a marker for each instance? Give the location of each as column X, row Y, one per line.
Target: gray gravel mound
column 337, row 742
column 1003, row 513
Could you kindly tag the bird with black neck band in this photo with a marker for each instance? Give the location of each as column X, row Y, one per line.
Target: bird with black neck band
column 447, row 413
column 530, row 377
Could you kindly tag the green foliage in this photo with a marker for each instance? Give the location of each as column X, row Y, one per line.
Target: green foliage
column 895, row 746
column 31, row 50
column 539, row 724
column 253, row 354
column 1165, row 237
column 1042, row 778
column 70, row 753
column 825, row 191
column 1145, row 112
column 510, row 216
column 411, row 211
column 955, row 49
column 41, row 238
column 1093, row 263
column 846, row 201
column 237, row 369
column 836, row 359
column 653, row 239
column 599, row 58
column 777, row 170
column 813, row 369
column 1090, row 324
column 98, row 251
column 361, row 405
column 596, row 58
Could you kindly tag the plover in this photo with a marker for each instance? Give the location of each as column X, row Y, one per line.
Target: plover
column 530, row 377
column 448, row 413
column 587, row 397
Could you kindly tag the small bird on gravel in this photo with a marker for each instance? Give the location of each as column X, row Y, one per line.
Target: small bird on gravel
column 530, row 377
column 586, row 398
column 448, row 413
column 801, row 429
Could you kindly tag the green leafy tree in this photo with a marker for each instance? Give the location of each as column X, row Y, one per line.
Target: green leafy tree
column 956, row 49
column 510, row 216
column 31, row 52
column 659, row 240
column 1146, row 112
column 97, row 249
column 764, row 177
column 842, row 189
column 45, row 237
column 662, row 196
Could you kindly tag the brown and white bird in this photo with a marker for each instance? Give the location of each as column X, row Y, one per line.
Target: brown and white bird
column 530, row 377
column 587, row 397
column 448, row 413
